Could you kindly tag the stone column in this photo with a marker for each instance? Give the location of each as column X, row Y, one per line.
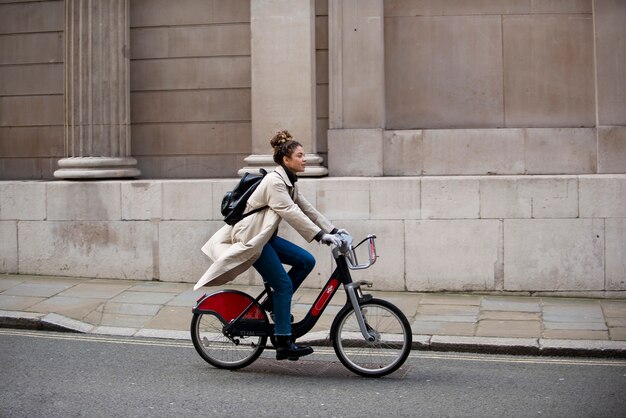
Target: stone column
column 283, row 79
column 357, row 87
column 97, row 91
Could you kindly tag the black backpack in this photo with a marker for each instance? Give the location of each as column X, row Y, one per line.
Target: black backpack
column 234, row 202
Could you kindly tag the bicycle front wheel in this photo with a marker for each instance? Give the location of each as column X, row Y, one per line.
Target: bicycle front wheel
column 377, row 358
column 219, row 350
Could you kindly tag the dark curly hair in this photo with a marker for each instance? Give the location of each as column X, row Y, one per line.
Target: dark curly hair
column 283, row 145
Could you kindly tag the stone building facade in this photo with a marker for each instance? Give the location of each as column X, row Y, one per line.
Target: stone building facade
column 483, row 141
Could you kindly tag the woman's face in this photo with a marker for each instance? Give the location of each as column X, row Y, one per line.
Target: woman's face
column 296, row 161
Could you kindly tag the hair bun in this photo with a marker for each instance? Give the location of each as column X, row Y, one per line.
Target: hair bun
column 280, row 138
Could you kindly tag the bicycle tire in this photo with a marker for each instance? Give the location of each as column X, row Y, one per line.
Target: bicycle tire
column 219, row 350
column 377, row 358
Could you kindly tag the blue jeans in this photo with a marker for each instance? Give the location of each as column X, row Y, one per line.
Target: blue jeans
column 276, row 252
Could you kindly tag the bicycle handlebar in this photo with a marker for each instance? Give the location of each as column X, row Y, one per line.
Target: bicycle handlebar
column 347, row 250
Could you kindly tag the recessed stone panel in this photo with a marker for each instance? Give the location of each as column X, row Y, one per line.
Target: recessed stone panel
column 473, row 151
column 121, row 250
column 191, row 138
column 612, row 149
column 395, row 198
column 180, row 257
column 451, row 77
column 187, row 200
column 31, row 110
column 142, row 200
column 548, row 71
column 29, row 17
column 31, row 48
column 523, row 197
column 345, row 198
column 190, row 41
column 188, row 12
column 458, row 255
column 190, row 73
column 609, row 18
column 450, row 198
column 31, row 79
column 355, row 152
column 70, row 201
column 8, row 247
column 191, row 106
column 32, row 141
column 403, row 153
column 560, row 151
column 194, row 166
column 553, row 254
column 602, row 196
column 616, row 254
column 22, row 201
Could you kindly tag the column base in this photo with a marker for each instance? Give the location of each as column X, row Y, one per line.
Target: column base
column 77, row 168
column 255, row 162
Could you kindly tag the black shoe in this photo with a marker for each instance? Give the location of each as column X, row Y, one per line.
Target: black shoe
column 286, row 348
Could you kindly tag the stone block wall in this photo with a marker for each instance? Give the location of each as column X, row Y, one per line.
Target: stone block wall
column 560, row 234
column 190, row 87
column 31, row 88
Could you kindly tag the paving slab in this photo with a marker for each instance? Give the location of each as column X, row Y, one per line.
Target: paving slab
column 446, row 318
column 163, row 287
column 589, row 326
column 172, row 318
column 95, row 290
column 130, row 309
column 518, row 329
column 509, row 316
column 149, row 298
column 18, row 303
column 76, row 308
column 615, row 322
column 187, row 298
column 511, row 303
column 614, row 309
column 569, row 334
column 584, row 313
column 36, row 289
column 456, row 310
column 443, row 328
column 446, row 299
column 9, row 283
column 121, row 320
column 617, row 333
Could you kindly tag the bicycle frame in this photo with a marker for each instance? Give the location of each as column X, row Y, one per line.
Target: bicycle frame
column 244, row 318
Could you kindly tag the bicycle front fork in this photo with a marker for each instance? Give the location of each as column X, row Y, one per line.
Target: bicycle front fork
column 354, row 294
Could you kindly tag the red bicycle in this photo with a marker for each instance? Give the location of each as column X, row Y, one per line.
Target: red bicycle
column 371, row 336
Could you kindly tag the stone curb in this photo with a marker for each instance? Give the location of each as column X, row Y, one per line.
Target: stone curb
column 487, row 345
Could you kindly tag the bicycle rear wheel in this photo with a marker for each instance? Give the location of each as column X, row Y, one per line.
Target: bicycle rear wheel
column 219, row 350
column 377, row 358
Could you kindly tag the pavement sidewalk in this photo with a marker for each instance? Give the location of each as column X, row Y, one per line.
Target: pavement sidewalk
column 463, row 322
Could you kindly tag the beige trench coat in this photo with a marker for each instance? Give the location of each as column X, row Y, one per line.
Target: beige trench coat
column 234, row 249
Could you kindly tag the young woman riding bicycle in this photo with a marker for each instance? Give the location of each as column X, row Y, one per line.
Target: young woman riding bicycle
column 253, row 241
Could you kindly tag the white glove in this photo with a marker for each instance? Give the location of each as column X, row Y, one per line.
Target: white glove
column 330, row 239
column 343, row 232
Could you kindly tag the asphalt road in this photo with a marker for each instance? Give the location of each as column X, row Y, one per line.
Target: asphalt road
column 65, row 375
